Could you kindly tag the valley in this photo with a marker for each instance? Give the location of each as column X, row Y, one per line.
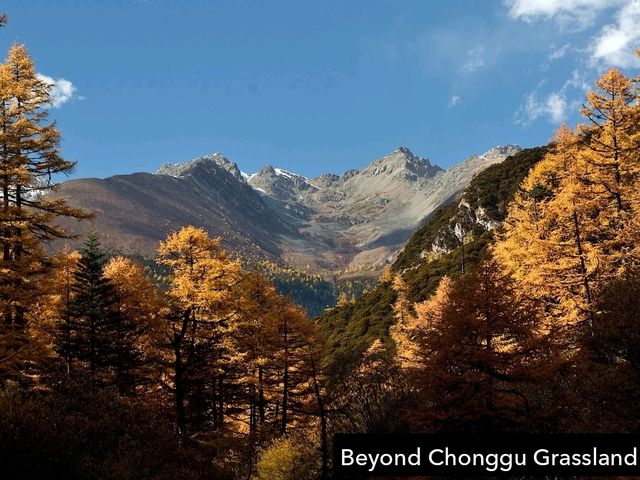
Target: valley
column 331, row 225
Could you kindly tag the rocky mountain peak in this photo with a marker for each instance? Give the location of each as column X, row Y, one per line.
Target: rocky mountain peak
column 404, row 150
column 350, row 173
column 501, row 151
column 281, row 184
column 207, row 164
column 267, row 170
column 326, row 180
column 402, row 162
column 274, row 174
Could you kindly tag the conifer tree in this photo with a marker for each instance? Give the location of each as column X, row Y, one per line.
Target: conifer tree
column 402, row 306
column 371, row 399
column 55, row 308
column 574, row 224
column 604, row 381
column 200, row 325
column 611, row 149
column 405, row 331
column 259, row 302
column 136, row 328
column 289, row 336
column 546, row 244
column 478, row 357
column 29, row 161
column 342, row 300
column 608, row 139
column 87, row 329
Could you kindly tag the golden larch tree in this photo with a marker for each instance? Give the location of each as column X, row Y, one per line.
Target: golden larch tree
column 574, row 222
column 480, row 352
column 30, row 162
column 200, row 324
column 137, row 330
column 407, row 328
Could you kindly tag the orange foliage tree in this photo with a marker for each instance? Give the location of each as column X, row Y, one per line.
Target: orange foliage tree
column 574, row 223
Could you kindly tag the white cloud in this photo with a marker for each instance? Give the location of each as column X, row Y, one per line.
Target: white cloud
column 574, row 13
column 558, row 53
column 617, row 42
column 555, row 106
column 576, row 81
column 62, row 90
column 614, row 45
column 453, row 101
column 475, row 59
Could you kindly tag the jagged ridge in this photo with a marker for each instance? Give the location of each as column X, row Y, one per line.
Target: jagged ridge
column 354, row 221
column 352, row 327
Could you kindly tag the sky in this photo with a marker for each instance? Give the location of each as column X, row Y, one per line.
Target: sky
column 314, row 86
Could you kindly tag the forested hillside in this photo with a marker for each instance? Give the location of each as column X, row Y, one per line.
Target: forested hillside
column 353, row 326
column 312, row 292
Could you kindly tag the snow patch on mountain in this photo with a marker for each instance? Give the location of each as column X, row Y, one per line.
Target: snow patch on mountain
column 362, row 214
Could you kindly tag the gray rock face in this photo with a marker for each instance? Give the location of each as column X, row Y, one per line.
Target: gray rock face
column 365, row 216
column 353, row 221
column 209, row 164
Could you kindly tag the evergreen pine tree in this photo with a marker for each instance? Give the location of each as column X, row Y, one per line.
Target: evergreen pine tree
column 87, row 329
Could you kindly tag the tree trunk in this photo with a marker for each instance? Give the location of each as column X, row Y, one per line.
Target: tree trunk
column 285, row 381
column 324, row 448
column 583, row 266
column 260, row 395
column 179, row 389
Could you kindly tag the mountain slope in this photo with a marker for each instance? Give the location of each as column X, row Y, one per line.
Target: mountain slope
column 481, row 208
column 354, row 221
column 134, row 212
column 365, row 216
column 433, row 251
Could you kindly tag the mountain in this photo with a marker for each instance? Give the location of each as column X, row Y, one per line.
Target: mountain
column 433, row 251
column 366, row 216
column 349, row 222
column 480, row 209
column 133, row 212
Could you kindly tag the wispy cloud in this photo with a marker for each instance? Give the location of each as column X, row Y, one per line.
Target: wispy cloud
column 453, row 101
column 576, row 81
column 575, row 14
column 475, row 59
column 555, row 105
column 616, row 43
column 62, row 90
column 461, row 48
column 558, row 53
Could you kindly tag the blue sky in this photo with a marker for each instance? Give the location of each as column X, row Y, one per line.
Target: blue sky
column 315, row 86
